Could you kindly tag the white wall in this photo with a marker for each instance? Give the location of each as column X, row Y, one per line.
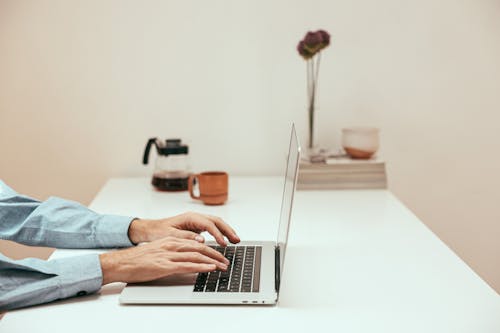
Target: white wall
column 83, row 84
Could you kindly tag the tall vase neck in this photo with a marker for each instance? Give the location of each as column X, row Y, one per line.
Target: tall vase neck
column 311, row 124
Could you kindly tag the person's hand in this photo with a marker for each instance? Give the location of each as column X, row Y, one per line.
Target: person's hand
column 185, row 226
column 159, row 259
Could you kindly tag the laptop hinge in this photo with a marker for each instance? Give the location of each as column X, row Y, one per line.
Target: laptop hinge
column 277, row 272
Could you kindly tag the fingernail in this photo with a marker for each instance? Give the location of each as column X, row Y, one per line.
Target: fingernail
column 199, row 239
column 226, row 261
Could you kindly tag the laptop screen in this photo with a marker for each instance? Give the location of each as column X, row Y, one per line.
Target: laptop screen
column 291, row 174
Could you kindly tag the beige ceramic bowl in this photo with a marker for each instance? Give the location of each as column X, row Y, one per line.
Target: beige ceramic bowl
column 360, row 142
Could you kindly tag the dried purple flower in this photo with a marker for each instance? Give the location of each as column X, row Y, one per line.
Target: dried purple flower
column 325, row 38
column 312, row 43
column 313, row 40
column 303, row 51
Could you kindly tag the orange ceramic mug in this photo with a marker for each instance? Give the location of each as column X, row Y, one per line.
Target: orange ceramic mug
column 212, row 185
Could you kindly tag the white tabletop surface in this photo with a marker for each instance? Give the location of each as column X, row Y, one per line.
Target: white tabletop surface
column 357, row 261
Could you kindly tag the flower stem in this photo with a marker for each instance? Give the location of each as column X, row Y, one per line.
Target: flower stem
column 312, row 82
column 308, row 72
column 318, row 59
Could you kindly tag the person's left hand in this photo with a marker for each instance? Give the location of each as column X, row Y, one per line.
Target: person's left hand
column 188, row 226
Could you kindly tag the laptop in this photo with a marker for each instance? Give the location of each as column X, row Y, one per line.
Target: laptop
column 254, row 273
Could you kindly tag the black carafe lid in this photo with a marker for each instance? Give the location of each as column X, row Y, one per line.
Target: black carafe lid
column 173, row 147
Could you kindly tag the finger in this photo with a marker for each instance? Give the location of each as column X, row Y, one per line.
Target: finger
column 203, row 249
column 185, row 234
column 208, row 251
column 196, row 257
column 225, row 229
column 203, row 223
column 189, row 267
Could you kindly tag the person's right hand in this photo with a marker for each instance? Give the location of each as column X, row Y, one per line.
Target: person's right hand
column 159, row 259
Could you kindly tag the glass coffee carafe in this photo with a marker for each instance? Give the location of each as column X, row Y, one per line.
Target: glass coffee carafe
column 172, row 166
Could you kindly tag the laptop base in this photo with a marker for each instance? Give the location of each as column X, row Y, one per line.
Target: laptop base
column 178, row 289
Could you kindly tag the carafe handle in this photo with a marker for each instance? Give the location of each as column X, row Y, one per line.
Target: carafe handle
column 145, row 158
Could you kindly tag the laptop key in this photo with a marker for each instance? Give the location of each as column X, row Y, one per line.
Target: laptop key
column 202, row 278
column 210, row 287
column 246, row 288
column 199, row 287
column 223, row 287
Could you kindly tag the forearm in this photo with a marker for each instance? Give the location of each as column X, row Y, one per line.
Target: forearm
column 33, row 281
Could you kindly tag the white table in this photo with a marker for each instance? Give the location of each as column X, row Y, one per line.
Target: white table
column 357, row 261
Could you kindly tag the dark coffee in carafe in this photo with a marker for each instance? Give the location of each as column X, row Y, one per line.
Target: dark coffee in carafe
column 170, row 181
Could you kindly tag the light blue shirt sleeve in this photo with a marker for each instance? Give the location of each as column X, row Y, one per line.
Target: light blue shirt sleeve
column 57, row 223
column 34, row 281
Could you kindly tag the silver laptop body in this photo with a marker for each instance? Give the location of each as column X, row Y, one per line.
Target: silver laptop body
column 262, row 287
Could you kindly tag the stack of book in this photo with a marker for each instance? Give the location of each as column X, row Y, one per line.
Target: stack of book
column 342, row 173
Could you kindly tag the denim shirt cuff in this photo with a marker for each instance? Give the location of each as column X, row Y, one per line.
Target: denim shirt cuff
column 78, row 276
column 112, row 231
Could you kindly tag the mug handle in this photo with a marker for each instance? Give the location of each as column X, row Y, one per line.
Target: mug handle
column 190, row 186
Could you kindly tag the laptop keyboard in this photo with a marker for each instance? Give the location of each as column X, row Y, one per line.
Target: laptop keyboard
column 242, row 275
